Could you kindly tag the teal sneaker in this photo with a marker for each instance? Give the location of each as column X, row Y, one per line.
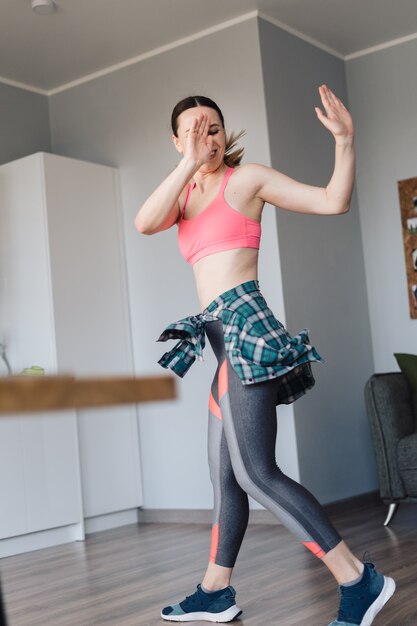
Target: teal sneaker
column 360, row 602
column 219, row 606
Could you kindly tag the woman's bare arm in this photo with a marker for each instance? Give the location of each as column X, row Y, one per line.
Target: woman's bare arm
column 161, row 210
column 281, row 190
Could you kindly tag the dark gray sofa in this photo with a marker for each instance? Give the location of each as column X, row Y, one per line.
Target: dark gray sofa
column 391, row 418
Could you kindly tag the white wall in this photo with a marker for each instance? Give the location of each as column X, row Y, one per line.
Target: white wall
column 122, row 119
column 383, row 96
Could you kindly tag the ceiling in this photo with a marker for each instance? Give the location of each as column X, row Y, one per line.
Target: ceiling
column 85, row 36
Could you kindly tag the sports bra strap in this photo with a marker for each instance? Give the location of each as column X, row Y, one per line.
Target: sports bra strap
column 225, row 180
column 222, row 188
column 190, row 188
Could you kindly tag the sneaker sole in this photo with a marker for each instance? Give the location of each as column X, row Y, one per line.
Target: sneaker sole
column 386, row 592
column 225, row 616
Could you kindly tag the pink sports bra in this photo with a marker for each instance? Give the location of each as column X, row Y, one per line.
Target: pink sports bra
column 216, row 228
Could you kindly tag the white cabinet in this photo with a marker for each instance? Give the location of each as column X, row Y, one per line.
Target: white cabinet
column 39, row 479
column 64, row 306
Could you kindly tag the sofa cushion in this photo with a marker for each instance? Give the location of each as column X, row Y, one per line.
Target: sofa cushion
column 408, row 366
column 407, row 463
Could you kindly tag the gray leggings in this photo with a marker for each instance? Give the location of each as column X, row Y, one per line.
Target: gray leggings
column 241, row 449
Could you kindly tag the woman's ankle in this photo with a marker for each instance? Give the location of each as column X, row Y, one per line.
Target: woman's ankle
column 215, row 585
column 344, row 565
column 216, row 577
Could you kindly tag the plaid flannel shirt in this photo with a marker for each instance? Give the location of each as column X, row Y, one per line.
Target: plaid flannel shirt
column 257, row 344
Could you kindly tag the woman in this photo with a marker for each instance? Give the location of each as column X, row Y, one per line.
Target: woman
column 217, row 205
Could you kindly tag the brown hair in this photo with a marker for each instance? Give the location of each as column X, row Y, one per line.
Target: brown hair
column 232, row 156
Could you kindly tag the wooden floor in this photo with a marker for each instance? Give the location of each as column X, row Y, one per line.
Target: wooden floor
column 123, row 577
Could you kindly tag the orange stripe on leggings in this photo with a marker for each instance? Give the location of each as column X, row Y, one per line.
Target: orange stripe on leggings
column 315, row 548
column 223, row 381
column 214, row 543
column 214, row 407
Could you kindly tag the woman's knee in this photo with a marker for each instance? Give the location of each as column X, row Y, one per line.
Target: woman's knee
column 254, row 478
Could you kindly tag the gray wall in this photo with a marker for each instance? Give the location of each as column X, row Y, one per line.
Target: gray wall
column 323, row 272
column 383, row 96
column 122, row 119
column 24, row 123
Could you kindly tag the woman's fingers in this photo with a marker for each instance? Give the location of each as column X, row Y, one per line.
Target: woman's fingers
column 206, row 139
column 195, row 125
column 332, row 104
column 330, row 95
column 324, row 97
column 198, row 124
column 336, row 118
column 204, row 126
column 198, row 141
column 198, row 127
column 331, row 98
column 336, row 99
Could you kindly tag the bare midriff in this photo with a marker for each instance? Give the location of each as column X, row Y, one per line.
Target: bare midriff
column 221, row 271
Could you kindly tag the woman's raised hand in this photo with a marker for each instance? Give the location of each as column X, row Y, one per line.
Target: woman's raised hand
column 199, row 143
column 336, row 118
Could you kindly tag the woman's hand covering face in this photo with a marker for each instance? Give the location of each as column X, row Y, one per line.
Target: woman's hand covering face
column 198, row 142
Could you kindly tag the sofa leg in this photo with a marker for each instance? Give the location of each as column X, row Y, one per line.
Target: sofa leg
column 391, row 512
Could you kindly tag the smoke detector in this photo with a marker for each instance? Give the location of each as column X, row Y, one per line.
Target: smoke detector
column 43, row 7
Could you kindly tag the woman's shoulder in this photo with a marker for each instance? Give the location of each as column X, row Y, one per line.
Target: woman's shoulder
column 250, row 174
column 251, row 169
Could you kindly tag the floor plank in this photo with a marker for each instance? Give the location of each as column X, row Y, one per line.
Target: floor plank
column 122, row 577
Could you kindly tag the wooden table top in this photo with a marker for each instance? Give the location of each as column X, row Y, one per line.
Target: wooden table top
column 23, row 394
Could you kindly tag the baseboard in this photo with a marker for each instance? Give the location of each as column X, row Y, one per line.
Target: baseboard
column 39, row 540
column 110, row 520
column 198, row 516
column 256, row 516
column 361, row 501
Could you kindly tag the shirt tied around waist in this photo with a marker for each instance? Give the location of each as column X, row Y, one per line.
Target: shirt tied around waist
column 257, row 344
